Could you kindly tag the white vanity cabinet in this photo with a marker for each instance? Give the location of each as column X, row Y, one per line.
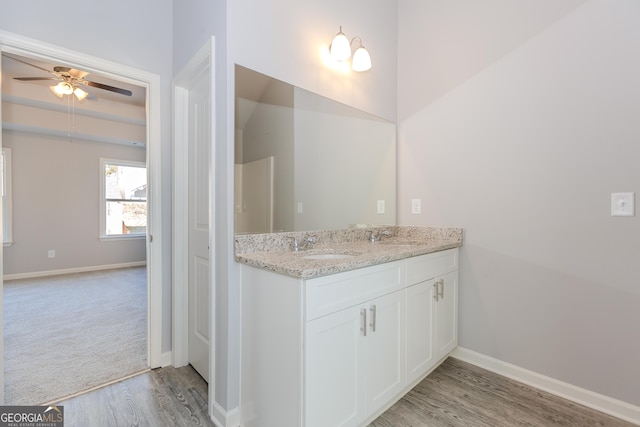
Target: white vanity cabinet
column 432, row 311
column 354, row 356
column 339, row 349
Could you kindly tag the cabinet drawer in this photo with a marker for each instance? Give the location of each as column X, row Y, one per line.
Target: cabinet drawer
column 425, row 267
column 328, row 294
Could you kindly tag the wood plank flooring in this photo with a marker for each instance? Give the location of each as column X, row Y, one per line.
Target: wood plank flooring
column 456, row 394
column 162, row 397
column 461, row 394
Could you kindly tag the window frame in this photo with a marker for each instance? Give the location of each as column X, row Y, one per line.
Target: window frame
column 7, row 197
column 103, row 199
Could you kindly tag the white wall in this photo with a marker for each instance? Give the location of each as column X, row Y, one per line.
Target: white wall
column 523, row 153
column 444, row 43
column 288, row 39
column 136, row 34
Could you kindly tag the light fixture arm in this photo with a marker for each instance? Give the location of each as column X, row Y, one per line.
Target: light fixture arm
column 354, row 39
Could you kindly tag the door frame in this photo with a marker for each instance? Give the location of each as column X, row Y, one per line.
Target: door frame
column 20, row 45
column 202, row 61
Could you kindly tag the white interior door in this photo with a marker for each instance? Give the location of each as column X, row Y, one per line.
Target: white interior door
column 199, row 194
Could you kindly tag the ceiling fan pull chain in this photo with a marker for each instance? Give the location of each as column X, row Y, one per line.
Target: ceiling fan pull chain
column 69, row 118
column 73, row 115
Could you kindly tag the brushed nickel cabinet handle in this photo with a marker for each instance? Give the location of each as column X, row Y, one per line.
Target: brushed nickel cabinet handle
column 373, row 318
column 363, row 321
column 435, row 291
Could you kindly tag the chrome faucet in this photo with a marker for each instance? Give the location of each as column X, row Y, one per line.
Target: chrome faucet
column 381, row 235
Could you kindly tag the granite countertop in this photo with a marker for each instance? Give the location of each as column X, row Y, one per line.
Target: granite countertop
column 404, row 242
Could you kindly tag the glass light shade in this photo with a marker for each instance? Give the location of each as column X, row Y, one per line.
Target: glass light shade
column 80, row 94
column 63, row 88
column 361, row 60
column 54, row 90
column 340, row 47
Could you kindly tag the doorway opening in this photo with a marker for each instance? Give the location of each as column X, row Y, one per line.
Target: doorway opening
column 151, row 241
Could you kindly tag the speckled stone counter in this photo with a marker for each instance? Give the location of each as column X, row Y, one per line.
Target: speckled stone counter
column 274, row 251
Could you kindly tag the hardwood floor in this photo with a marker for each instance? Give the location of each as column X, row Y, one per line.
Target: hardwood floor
column 455, row 394
column 162, row 397
column 461, row 394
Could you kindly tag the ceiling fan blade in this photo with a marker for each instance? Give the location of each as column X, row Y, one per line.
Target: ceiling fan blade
column 107, row 87
column 28, row 63
column 28, row 79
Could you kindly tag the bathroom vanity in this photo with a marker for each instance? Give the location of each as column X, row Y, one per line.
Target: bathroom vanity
column 335, row 334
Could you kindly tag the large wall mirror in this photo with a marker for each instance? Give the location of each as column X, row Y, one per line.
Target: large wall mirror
column 306, row 162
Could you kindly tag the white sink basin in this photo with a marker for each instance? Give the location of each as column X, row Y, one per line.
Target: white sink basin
column 328, row 256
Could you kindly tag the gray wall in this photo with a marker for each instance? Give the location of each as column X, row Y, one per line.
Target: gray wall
column 523, row 150
column 56, row 180
column 137, row 34
column 56, row 200
column 515, row 125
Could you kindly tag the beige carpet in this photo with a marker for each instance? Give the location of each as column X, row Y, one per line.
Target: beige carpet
column 67, row 334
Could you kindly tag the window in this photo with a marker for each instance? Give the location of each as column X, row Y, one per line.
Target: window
column 123, row 210
column 7, row 225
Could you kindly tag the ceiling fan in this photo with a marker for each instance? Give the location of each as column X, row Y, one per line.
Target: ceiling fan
column 70, row 81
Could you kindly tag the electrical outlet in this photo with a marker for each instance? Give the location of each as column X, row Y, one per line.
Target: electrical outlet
column 299, row 207
column 52, row 253
column 622, row 204
column 380, row 206
column 416, row 206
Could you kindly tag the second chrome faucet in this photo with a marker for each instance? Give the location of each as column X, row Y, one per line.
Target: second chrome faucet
column 306, row 242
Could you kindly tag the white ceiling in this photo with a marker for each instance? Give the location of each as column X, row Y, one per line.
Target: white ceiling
column 12, row 68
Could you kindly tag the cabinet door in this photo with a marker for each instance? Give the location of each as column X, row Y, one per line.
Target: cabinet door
column 420, row 329
column 333, row 394
column 447, row 315
column 384, row 350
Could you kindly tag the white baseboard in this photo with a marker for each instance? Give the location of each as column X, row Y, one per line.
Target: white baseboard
column 72, row 270
column 222, row 418
column 599, row 402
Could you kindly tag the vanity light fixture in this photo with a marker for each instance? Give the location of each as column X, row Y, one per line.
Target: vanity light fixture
column 340, row 50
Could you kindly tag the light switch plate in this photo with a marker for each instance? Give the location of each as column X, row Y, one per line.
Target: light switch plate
column 622, row 204
column 381, row 206
column 416, row 206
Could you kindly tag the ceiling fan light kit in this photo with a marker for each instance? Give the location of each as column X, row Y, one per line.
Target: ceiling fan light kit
column 65, row 88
